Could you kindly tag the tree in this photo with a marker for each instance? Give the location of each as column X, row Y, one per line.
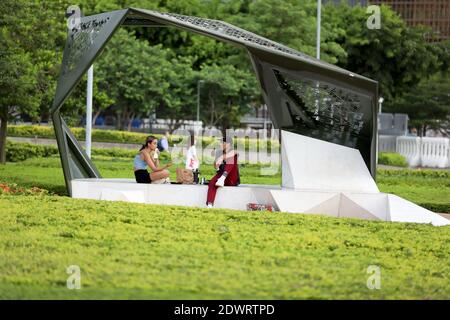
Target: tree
column 292, row 23
column 228, row 92
column 428, row 105
column 178, row 102
column 132, row 73
column 396, row 56
column 18, row 73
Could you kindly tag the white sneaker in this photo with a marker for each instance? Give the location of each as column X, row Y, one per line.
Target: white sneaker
column 209, row 205
column 221, row 181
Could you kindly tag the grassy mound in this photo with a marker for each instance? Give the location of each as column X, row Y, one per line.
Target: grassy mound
column 140, row 251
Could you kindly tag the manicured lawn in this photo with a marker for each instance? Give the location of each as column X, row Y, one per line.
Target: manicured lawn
column 141, row 251
column 430, row 188
column 137, row 251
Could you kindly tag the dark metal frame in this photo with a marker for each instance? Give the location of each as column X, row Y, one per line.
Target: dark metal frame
column 345, row 109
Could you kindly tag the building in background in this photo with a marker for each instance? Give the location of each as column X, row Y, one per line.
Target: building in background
column 430, row 13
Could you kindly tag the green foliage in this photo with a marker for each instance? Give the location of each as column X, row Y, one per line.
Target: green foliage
column 428, row 188
column 392, row 159
column 116, row 136
column 136, row 251
column 16, row 152
column 427, row 105
column 228, row 92
column 132, row 72
column 396, row 56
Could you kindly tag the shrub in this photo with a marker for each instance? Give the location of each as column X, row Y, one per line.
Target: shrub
column 100, row 135
column 13, row 188
column 20, row 151
column 436, row 207
column 392, row 159
column 16, row 152
column 30, row 131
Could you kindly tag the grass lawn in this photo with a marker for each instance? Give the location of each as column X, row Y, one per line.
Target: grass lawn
column 140, row 251
column 137, row 251
column 429, row 188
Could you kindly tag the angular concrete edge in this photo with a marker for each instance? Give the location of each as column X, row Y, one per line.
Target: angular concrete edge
column 369, row 206
column 309, row 163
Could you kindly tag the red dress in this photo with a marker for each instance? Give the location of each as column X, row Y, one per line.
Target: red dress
column 232, row 179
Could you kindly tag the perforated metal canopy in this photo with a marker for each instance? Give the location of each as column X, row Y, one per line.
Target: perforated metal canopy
column 304, row 95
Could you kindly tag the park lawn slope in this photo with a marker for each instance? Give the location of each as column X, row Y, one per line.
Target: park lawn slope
column 137, row 251
column 428, row 188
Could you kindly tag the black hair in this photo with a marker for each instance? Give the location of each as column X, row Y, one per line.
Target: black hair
column 147, row 141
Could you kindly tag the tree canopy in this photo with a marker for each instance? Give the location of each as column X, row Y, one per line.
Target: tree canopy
column 147, row 70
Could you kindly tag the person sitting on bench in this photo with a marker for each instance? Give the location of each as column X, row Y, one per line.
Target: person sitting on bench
column 149, row 156
column 227, row 174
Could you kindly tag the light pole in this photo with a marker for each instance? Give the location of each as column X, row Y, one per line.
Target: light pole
column 89, row 93
column 198, row 99
column 380, row 102
column 319, row 13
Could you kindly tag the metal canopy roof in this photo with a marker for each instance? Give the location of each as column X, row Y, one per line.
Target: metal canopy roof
column 304, row 95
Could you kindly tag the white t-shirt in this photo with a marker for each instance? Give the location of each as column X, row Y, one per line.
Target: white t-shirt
column 191, row 161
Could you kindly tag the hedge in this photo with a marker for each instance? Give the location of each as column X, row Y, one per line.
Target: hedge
column 20, row 151
column 116, row 136
column 392, row 159
column 80, row 133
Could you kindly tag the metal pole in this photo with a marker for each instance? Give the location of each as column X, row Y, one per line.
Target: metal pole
column 90, row 84
column 319, row 13
column 380, row 102
column 198, row 100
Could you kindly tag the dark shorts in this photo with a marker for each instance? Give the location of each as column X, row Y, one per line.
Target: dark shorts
column 142, row 176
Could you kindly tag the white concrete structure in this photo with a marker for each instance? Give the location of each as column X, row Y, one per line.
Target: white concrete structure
column 430, row 152
column 171, row 194
column 318, row 178
column 309, row 163
column 372, row 206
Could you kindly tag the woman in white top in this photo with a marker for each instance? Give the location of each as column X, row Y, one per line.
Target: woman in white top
column 192, row 162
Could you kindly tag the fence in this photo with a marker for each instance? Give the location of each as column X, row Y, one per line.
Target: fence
column 387, row 143
column 426, row 152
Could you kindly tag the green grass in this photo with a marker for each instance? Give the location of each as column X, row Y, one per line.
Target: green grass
column 47, row 173
column 429, row 188
column 137, row 251
column 163, row 252
column 392, row 159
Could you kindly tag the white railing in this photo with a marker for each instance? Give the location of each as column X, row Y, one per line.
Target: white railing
column 387, row 143
column 426, row 152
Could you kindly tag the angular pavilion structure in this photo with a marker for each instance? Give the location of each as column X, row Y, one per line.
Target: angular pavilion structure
column 327, row 117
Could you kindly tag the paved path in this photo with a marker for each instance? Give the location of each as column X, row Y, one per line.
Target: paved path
column 445, row 215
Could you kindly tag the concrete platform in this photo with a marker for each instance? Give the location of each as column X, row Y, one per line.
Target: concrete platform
column 371, row 206
column 171, row 194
